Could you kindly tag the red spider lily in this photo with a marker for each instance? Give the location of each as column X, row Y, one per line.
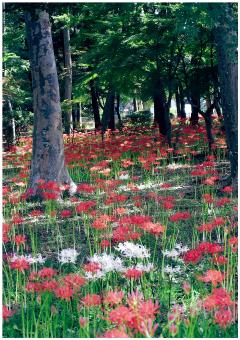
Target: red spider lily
column 211, row 180
column 148, row 309
column 74, row 280
column 168, row 205
column 85, row 206
column 220, row 259
column 119, row 211
column 19, row 239
column 192, row 256
column 105, row 244
column 34, row 287
column 6, row 313
column 186, row 287
column 124, row 233
column 135, row 219
column 114, row 333
column 66, row 213
column 213, row 276
column 153, row 228
column 92, row 267
column 49, row 286
column 91, row 300
column 208, row 198
column 20, row 265
column 223, row 317
column 219, row 298
column 121, row 315
column 133, row 274
column 47, row 273
column 64, row 292
column 209, row 248
column 228, row 189
column 17, row 219
column 166, row 185
column 223, row 201
column 84, row 187
column 180, row 216
column 35, row 213
column 83, row 321
column 113, row 297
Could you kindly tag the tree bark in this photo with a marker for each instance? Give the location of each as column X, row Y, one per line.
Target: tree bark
column 68, row 81
column 226, row 40
column 48, row 148
column 182, row 102
column 95, row 106
column 118, row 111
column 178, row 103
column 161, row 115
column 135, row 106
column 108, row 112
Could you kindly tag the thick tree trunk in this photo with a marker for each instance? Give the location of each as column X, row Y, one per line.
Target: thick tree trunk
column 68, row 81
column 95, row 106
column 226, row 40
column 161, row 115
column 48, row 148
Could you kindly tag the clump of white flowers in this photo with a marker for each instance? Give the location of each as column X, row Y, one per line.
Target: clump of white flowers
column 29, row 258
column 108, row 262
column 132, row 250
column 68, row 255
column 178, row 250
column 145, row 267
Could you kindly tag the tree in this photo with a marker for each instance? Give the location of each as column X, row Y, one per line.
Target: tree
column 68, row 81
column 48, row 148
column 226, row 40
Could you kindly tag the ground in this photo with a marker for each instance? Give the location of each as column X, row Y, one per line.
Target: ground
column 146, row 247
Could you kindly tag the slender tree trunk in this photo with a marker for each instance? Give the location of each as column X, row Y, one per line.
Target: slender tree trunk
column 118, row 110
column 68, row 81
column 135, row 106
column 95, row 106
column 226, row 40
column 161, row 115
column 48, row 148
column 195, row 103
column 182, row 102
column 108, row 112
column 178, row 103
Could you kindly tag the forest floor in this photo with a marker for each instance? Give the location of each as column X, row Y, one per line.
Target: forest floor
column 147, row 247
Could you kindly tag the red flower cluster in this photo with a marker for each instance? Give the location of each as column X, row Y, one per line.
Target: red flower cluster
column 180, row 216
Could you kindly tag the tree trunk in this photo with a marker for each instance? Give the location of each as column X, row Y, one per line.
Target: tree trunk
column 182, row 102
column 48, row 148
column 108, row 112
column 118, row 111
column 226, row 40
column 95, row 106
column 178, row 103
column 68, row 81
column 135, row 107
column 161, row 115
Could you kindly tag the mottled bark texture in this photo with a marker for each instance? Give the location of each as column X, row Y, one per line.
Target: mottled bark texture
column 68, row 81
column 48, row 149
column 226, row 41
